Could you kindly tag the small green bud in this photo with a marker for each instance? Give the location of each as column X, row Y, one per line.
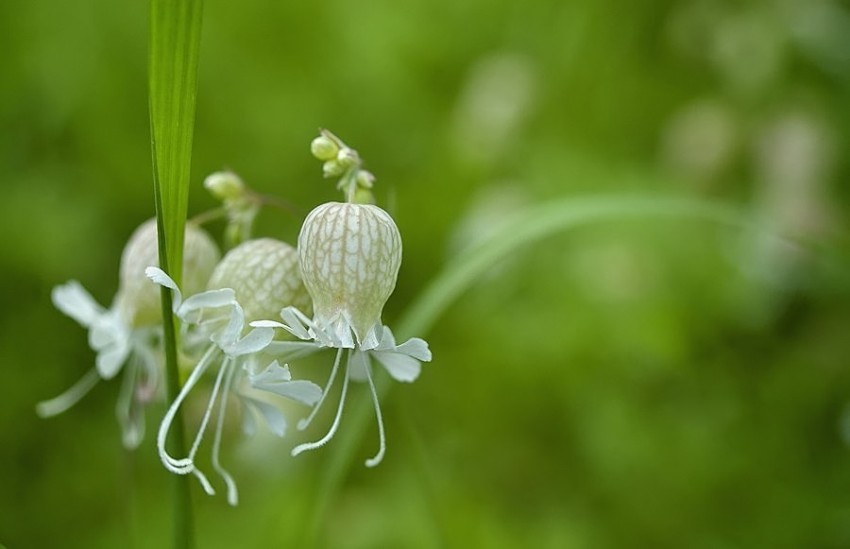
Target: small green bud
column 347, row 158
column 333, row 168
column 324, row 148
column 224, row 185
column 365, row 180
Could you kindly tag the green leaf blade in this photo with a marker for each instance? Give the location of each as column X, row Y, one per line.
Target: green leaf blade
column 175, row 33
column 174, row 48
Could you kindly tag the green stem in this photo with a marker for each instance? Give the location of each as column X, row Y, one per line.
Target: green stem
column 183, row 517
column 515, row 234
column 183, row 520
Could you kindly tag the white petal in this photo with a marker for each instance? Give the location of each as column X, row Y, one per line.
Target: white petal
column 373, row 337
column 229, row 336
column 211, row 323
column 158, row 276
column 288, row 351
column 401, row 367
column 267, row 324
column 299, row 389
column 110, row 359
column 107, row 330
column 293, row 322
column 274, row 417
column 256, row 340
column 73, row 300
column 249, row 426
column 273, row 373
column 211, row 299
column 387, row 339
column 323, row 337
column 416, row 348
column 342, row 333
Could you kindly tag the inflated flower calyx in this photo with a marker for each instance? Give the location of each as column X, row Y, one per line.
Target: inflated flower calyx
column 265, row 276
column 138, row 299
column 350, row 255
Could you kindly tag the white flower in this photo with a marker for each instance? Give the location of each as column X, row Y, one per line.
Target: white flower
column 350, row 255
column 127, row 335
column 219, row 317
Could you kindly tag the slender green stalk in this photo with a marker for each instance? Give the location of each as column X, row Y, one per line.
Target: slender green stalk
column 184, row 534
column 175, row 32
column 517, row 233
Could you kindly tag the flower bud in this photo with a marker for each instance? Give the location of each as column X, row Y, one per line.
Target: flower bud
column 138, row 299
column 347, row 158
column 324, row 148
column 350, row 255
column 224, row 185
column 266, row 277
column 332, row 168
column 365, row 179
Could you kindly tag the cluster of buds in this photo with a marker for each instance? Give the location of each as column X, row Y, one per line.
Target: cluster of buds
column 247, row 317
column 343, row 162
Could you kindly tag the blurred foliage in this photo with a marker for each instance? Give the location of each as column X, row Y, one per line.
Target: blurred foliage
column 630, row 384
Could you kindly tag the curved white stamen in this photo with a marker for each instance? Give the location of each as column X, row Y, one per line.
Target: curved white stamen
column 131, row 436
column 321, row 442
column 226, row 365
column 181, row 466
column 383, row 443
column 149, row 376
column 205, row 483
column 232, row 493
column 78, row 390
column 304, row 423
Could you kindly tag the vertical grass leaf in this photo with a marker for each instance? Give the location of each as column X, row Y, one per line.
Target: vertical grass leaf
column 174, row 45
column 175, row 33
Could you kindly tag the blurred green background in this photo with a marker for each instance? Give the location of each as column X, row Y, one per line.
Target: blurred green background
column 634, row 383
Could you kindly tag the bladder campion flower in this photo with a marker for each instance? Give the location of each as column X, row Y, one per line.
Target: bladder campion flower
column 350, row 256
column 253, row 279
column 129, row 332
